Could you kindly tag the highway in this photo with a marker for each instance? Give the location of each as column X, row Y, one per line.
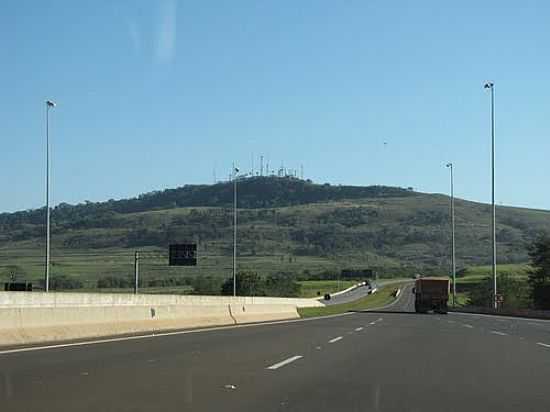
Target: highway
column 385, row 360
column 356, row 293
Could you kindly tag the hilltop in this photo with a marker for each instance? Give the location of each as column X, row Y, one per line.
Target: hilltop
column 285, row 224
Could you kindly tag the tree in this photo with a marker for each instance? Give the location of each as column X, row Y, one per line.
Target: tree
column 247, row 284
column 539, row 277
column 282, row 284
column 514, row 291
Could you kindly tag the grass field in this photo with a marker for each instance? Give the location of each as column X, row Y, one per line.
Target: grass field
column 475, row 274
column 382, row 298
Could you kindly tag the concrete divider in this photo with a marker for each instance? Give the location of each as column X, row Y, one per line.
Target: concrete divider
column 262, row 313
column 32, row 325
column 357, row 285
column 30, row 318
column 39, row 299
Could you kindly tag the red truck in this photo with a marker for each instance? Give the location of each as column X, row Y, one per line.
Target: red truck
column 431, row 293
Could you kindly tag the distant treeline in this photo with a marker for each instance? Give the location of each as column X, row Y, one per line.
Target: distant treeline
column 256, row 192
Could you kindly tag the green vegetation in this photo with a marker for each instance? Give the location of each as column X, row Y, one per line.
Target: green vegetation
column 474, row 285
column 310, row 288
column 383, row 297
column 539, row 276
column 476, row 273
column 251, row 284
column 286, row 225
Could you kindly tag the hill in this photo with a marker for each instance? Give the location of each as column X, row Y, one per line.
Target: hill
column 285, row 224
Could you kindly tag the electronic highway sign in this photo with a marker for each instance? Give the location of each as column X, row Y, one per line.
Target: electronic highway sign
column 183, row 254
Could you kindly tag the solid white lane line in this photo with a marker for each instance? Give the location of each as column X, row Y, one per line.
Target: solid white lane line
column 467, row 326
column 335, row 339
column 494, row 332
column 358, row 329
column 543, row 344
column 285, row 362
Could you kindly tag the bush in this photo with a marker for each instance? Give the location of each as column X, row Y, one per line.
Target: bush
column 251, row 284
column 514, row 291
column 282, row 284
column 247, row 284
column 114, row 282
column 61, row 282
column 206, row 285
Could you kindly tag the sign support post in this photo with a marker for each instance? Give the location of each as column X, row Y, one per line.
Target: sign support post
column 136, row 272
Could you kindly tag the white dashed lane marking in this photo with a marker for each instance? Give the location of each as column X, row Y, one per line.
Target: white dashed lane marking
column 494, row 332
column 335, row 339
column 358, row 329
column 285, row 362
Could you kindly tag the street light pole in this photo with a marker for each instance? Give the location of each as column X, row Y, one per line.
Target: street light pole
column 453, row 258
column 49, row 104
column 235, row 171
column 491, row 86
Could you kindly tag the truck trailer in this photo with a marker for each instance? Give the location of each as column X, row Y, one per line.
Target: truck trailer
column 431, row 293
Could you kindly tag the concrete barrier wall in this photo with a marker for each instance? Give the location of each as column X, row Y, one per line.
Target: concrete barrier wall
column 40, row 299
column 31, row 325
column 262, row 313
column 53, row 317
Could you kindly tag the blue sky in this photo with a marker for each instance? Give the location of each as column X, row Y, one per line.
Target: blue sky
column 156, row 94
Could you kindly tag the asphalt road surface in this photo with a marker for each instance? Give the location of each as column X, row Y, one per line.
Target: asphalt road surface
column 388, row 360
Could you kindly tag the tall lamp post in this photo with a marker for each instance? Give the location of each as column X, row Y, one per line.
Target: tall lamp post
column 49, row 105
column 491, row 87
column 235, row 171
column 453, row 261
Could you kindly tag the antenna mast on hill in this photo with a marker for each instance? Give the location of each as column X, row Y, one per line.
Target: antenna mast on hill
column 302, row 171
column 261, row 165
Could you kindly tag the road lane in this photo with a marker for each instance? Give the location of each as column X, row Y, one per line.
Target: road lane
column 357, row 293
column 392, row 361
column 538, row 330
